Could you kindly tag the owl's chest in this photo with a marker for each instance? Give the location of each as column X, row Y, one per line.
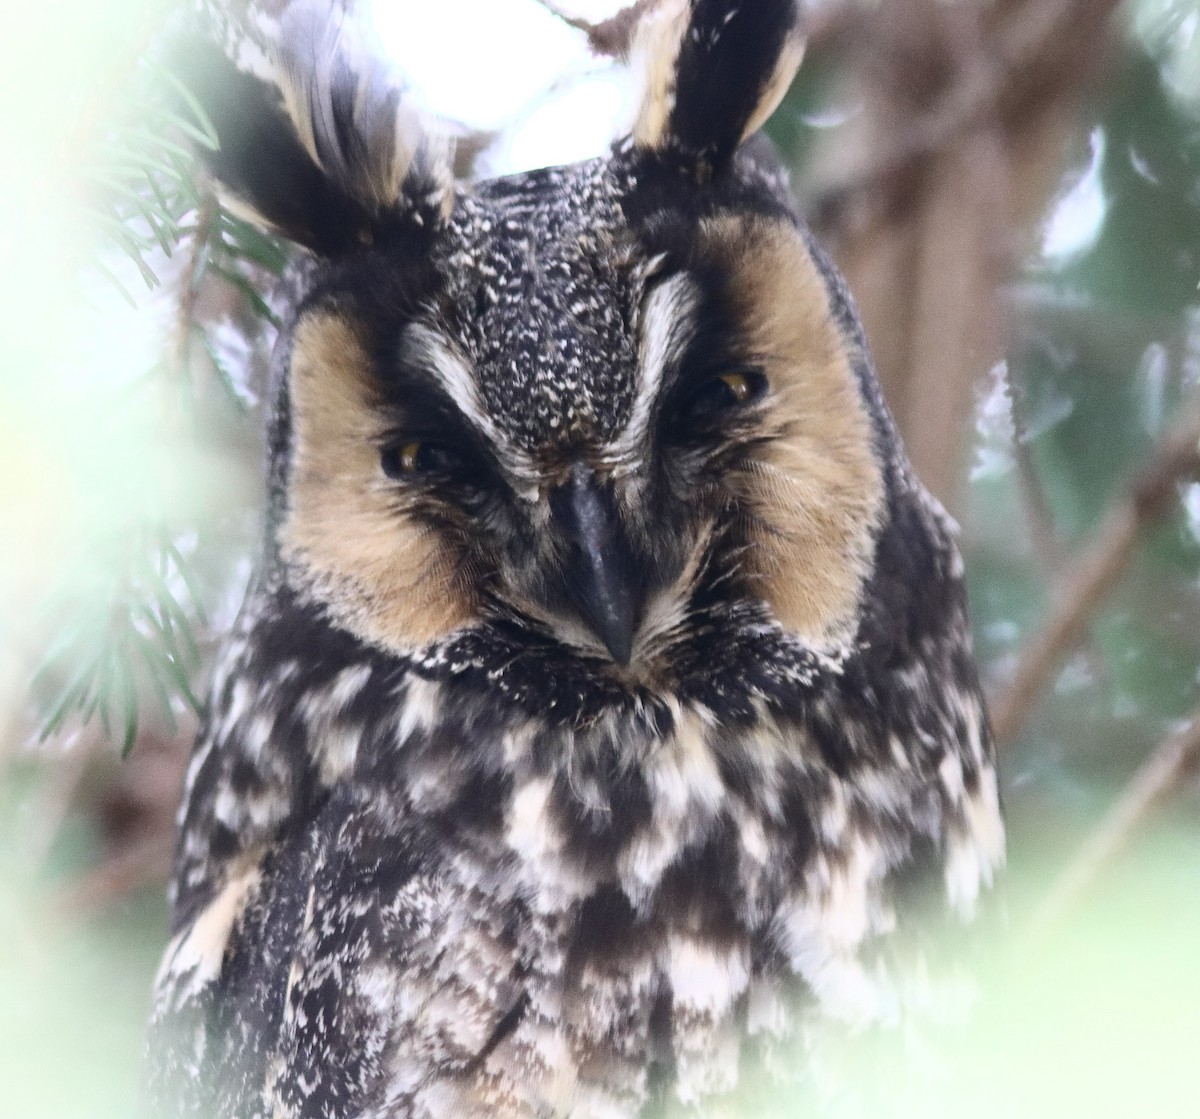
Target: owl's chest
column 678, row 909
column 705, row 825
column 720, row 870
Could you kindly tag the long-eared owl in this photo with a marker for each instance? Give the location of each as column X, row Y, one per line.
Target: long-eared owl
column 605, row 684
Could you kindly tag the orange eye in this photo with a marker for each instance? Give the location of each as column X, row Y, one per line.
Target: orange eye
column 418, row 457
column 723, row 393
column 739, row 385
column 407, row 457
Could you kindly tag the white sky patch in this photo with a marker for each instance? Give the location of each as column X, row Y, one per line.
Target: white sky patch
column 1076, row 675
column 1191, row 505
column 994, row 426
column 234, row 350
column 512, row 67
column 576, row 124
column 1079, row 215
column 1170, row 29
column 1139, row 163
column 1154, row 370
column 1190, row 367
column 118, row 343
column 833, row 117
column 1183, row 74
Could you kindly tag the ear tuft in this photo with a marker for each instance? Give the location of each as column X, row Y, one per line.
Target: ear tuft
column 714, row 72
column 319, row 140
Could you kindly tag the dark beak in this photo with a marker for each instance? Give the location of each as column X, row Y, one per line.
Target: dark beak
column 601, row 578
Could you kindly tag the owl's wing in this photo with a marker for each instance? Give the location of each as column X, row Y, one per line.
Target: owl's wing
column 915, row 664
column 294, row 704
column 354, row 964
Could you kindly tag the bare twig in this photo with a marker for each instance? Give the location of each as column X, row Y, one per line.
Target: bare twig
column 1088, row 582
column 1048, row 551
column 612, row 37
column 1047, row 548
column 1170, row 766
column 559, row 13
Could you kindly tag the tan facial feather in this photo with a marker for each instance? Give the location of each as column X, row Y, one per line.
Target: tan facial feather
column 814, row 490
column 350, row 533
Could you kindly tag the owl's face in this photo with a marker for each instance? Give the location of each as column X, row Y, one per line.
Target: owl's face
column 608, row 407
column 585, row 411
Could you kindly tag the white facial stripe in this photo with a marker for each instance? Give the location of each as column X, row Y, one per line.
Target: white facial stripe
column 435, row 353
column 668, row 322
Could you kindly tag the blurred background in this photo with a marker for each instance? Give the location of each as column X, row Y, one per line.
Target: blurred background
column 1012, row 188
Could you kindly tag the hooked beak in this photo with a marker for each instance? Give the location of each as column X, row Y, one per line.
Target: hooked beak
column 601, row 578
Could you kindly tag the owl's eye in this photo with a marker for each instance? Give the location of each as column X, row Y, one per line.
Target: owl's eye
column 724, row 393
column 416, row 458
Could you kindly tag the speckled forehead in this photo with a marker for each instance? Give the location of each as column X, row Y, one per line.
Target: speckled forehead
column 545, row 296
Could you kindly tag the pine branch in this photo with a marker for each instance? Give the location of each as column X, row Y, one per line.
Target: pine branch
column 127, row 649
column 133, row 637
column 143, row 176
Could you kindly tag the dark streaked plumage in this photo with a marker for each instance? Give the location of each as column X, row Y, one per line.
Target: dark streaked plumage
column 606, row 682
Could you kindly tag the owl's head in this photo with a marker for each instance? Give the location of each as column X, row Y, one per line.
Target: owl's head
column 617, row 407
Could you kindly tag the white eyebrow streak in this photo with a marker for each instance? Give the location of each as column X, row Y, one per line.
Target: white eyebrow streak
column 433, row 351
column 668, row 323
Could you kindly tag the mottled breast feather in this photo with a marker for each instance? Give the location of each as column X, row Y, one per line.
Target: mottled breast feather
column 601, row 727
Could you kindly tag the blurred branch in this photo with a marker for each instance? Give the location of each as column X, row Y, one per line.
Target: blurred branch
column 1092, row 577
column 612, row 37
column 133, row 808
column 978, row 93
column 1047, row 548
column 147, row 862
column 831, row 26
column 963, row 117
column 1049, row 553
column 1170, row 767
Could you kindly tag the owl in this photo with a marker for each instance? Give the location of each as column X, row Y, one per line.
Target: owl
column 604, row 690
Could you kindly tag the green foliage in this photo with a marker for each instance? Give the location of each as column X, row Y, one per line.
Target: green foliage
column 143, row 178
column 128, row 631
column 132, row 637
column 1108, row 345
